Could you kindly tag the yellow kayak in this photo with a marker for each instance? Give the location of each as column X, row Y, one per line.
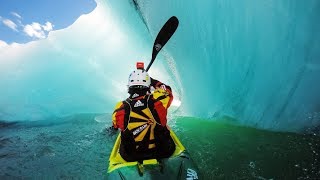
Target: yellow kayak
column 178, row 166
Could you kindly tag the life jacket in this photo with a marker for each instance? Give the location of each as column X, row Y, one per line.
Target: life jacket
column 143, row 120
column 139, row 133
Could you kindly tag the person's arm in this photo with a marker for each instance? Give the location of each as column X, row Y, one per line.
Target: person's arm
column 118, row 116
column 162, row 98
column 159, row 85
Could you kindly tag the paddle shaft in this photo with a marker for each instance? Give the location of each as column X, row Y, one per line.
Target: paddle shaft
column 163, row 37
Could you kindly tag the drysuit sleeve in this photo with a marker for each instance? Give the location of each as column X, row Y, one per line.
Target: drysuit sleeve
column 162, row 98
column 167, row 89
column 118, row 116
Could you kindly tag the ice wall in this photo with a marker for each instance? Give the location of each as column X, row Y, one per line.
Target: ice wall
column 81, row 69
column 255, row 61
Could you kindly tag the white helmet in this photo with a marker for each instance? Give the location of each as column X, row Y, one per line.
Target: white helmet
column 139, row 77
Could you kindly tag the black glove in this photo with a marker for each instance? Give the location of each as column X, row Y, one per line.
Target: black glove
column 111, row 130
column 153, row 82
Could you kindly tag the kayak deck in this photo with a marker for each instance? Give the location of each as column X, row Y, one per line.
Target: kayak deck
column 178, row 166
column 116, row 161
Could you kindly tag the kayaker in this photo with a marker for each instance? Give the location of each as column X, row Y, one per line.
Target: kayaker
column 142, row 118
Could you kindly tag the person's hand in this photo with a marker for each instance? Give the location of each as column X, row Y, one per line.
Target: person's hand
column 111, row 130
column 163, row 87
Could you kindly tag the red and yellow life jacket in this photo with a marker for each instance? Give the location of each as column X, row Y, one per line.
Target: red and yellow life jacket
column 140, row 117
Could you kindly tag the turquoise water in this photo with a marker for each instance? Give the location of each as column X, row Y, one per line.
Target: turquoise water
column 70, row 148
column 79, row 147
column 226, row 151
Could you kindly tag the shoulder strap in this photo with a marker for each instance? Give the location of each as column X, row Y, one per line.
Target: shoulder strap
column 128, row 113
